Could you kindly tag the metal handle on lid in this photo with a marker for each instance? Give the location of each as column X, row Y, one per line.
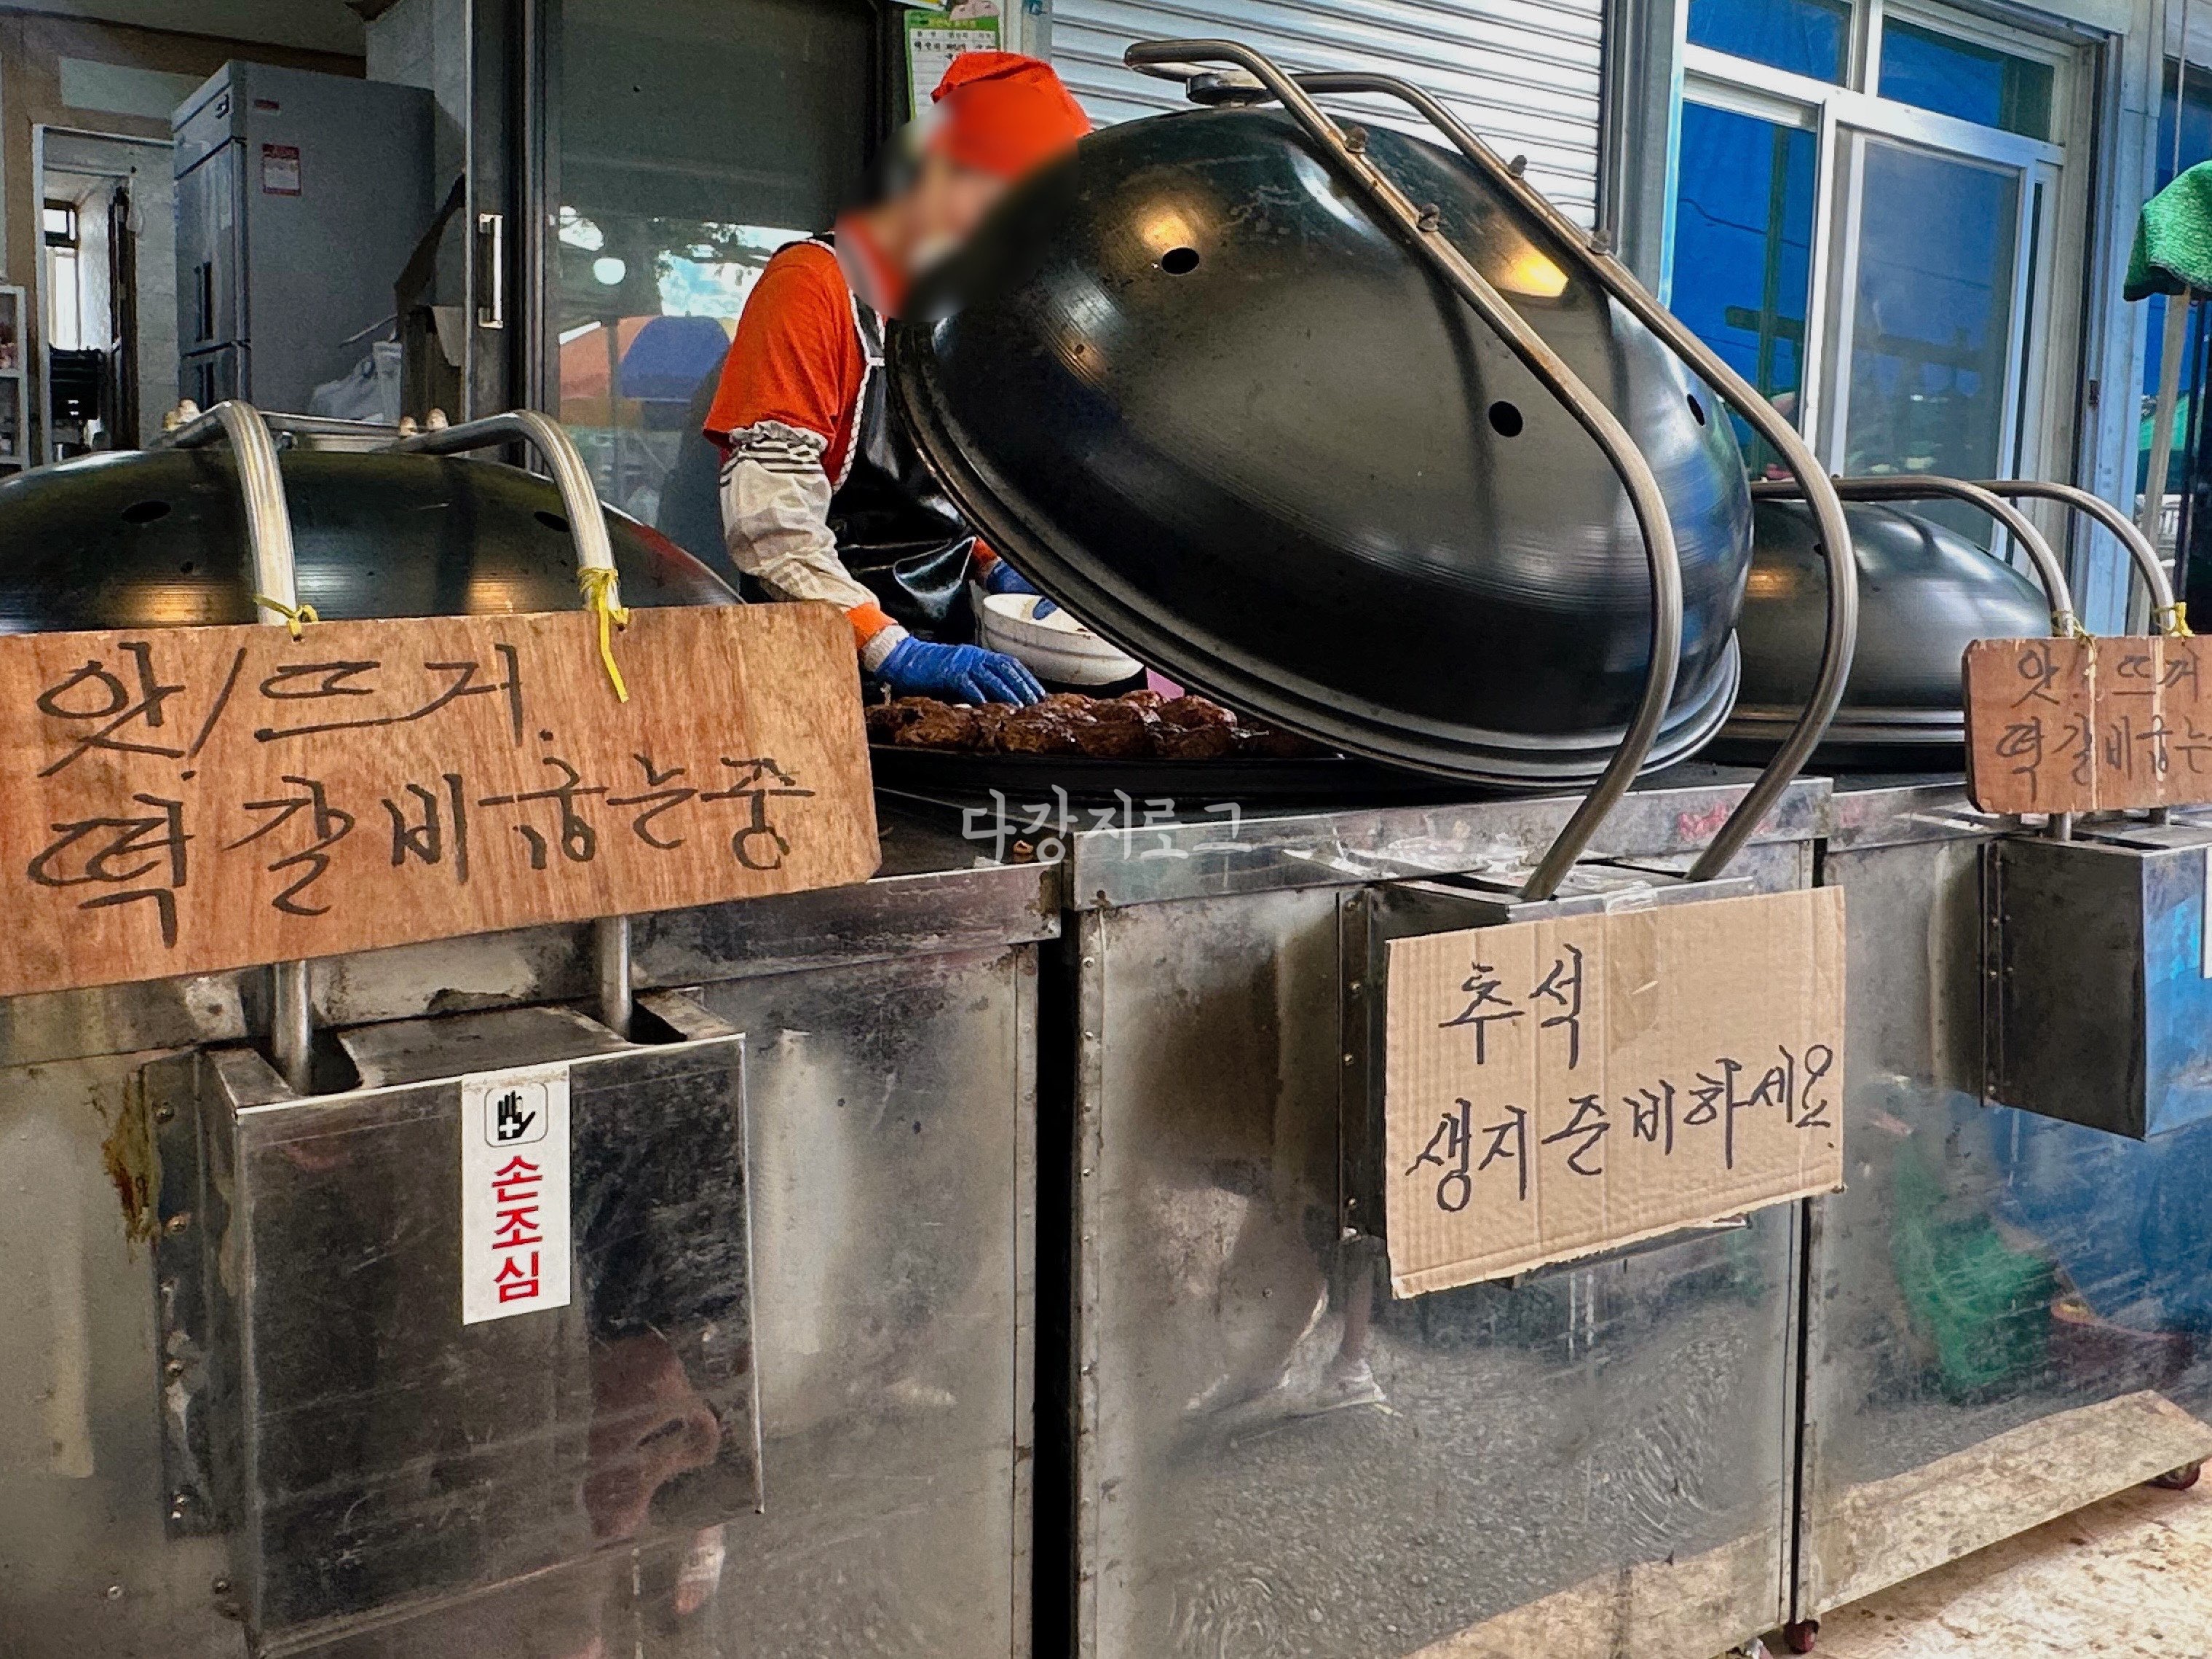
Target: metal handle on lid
column 2165, row 610
column 1167, row 59
column 261, row 481
column 1423, row 228
column 331, row 426
column 492, row 270
column 269, row 541
column 579, row 499
column 1591, row 252
column 587, row 523
column 1920, row 487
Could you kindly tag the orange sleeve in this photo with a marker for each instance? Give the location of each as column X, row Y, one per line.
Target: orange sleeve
column 868, row 621
column 796, row 359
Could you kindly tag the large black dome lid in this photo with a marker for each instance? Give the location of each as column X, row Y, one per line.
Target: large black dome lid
column 1926, row 594
column 1931, row 593
column 1190, row 386
column 160, row 538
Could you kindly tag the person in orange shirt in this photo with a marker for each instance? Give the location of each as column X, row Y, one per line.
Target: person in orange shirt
column 824, row 495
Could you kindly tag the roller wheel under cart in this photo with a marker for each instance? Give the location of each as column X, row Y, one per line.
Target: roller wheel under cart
column 2180, row 1479
column 1802, row 1637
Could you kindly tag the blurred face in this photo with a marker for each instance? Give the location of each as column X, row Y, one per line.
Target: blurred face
column 944, row 205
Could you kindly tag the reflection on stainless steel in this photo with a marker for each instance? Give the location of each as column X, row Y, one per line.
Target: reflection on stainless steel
column 374, row 1456
column 1217, row 853
column 894, row 1121
column 1925, row 592
column 2010, row 1316
column 2099, row 1008
column 1270, row 1456
column 892, row 1335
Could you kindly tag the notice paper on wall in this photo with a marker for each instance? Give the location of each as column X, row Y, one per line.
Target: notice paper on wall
column 1559, row 1088
column 936, row 34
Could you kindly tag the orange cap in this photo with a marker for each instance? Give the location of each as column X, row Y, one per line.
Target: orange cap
column 1005, row 114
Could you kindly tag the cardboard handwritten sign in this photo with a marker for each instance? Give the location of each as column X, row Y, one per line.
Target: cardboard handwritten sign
column 2088, row 726
column 186, row 801
column 1559, row 1088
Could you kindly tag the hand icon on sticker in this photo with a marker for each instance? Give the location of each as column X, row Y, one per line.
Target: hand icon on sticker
column 514, row 1116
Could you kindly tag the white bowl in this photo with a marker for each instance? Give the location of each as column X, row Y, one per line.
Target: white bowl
column 1055, row 648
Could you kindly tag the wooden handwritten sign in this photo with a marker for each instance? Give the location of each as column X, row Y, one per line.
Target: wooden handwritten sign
column 2088, row 726
column 1558, row 1088
column 185, row 800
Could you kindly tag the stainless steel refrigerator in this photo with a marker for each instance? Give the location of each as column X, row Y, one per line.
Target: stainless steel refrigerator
column 300, row 197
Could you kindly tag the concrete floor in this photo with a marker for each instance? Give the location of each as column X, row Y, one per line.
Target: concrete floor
column 2130, row 1577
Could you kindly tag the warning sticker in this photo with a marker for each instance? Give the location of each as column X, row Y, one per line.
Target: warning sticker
column 280, row 169
column 515, row 1210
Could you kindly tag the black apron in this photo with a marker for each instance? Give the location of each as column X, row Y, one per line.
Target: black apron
column 897, row 531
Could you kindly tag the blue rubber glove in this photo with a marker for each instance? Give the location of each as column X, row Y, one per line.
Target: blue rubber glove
column 1002, row 578
column 957, row 673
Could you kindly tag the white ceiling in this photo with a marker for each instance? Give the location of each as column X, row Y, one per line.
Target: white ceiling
column 319, row 25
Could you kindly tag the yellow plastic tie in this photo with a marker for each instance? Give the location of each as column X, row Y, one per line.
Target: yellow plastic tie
column 295, row 616
column 2175, row 621
column 2068, row 626
column 598, row 587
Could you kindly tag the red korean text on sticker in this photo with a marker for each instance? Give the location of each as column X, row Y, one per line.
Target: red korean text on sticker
column 515, row 1191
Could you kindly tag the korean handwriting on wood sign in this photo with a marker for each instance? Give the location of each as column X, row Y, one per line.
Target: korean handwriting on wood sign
column 2081, row 725
column 146, row 857
column 1559, row 1087
column 204, row 798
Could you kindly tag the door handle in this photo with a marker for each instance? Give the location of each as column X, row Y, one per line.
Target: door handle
column 491, row 270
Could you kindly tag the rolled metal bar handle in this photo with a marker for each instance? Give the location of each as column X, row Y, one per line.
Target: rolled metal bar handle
column 261, row 481
column 1425, row 231
column 1920, row 487
column 587, row 523
column 1840, row 644
column 579, row 497
column 276, row 576
column 330, row 425
column 2165, row 610
column 2064, row 624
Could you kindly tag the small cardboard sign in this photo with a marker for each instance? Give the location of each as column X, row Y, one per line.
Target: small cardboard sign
column 2088, row 726
column 191, row 799
column 1559, row 1088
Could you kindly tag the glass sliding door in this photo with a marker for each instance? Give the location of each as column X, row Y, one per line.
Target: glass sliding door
column 1869, row 231
column 1743, row 248
column 1929, row 346
column 684, row 142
